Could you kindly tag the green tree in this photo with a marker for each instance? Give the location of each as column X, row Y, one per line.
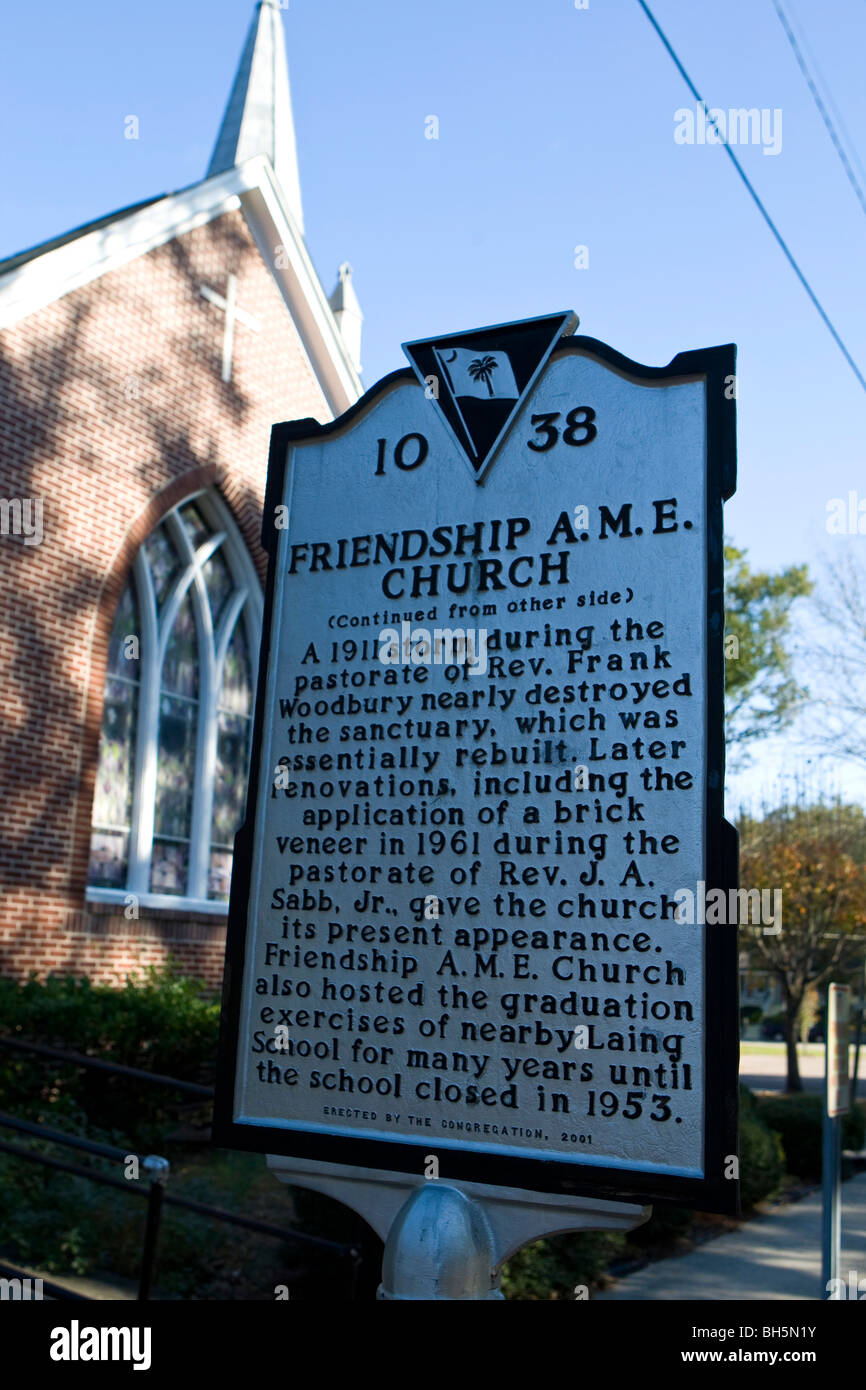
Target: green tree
column 761, row 694
column 815, row 856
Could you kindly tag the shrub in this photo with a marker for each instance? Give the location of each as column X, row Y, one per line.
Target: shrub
column 751, row 1013
column 797, row 1119
column 762, row 1161
column 854, row 1128
column 43, row 1214
column 664, row 1227
column 550, row 1269
column 161, row 1021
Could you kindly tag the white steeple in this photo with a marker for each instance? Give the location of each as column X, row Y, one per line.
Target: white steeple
column 258, row 117
column 347, row 311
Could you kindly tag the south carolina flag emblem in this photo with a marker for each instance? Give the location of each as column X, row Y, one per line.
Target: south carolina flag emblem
column 480, row 378
column 483, row 375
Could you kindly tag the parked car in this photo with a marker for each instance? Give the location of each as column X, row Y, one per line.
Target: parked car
column 773, row 1028
column 773, row 1031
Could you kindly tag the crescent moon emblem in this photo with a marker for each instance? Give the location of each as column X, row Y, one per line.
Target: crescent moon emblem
column 452, row 358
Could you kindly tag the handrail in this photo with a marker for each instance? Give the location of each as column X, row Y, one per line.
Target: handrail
column 76, row 1169
column 55, row 1136
column 153, row 1190
column 72, row 1141
column 96, row 1064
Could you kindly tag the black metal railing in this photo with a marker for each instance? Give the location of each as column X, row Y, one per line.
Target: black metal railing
column 189, row 1088
column 155, row 1169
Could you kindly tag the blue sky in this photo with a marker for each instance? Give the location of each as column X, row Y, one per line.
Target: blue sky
column 556, row 129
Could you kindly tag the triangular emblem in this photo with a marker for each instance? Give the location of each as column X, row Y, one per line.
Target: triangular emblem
column 479, row 380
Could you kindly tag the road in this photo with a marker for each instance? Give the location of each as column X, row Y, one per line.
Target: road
column 767, row 1070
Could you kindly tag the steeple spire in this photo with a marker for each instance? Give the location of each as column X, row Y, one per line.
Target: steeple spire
column 258, row 117
column 347, row 311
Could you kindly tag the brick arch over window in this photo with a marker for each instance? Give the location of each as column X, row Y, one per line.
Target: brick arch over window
column 185, row 594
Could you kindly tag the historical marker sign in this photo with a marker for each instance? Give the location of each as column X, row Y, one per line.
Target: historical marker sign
column 475, row 909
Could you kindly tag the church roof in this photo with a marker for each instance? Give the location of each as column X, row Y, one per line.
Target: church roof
column 258, row 118
column 253, row 169
column 22, row 257
column 37, row 277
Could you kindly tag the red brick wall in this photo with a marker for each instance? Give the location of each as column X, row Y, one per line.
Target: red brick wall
column 112, row 409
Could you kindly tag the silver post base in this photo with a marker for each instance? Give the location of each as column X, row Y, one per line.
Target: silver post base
column 440, row 1246
column 449, row 1240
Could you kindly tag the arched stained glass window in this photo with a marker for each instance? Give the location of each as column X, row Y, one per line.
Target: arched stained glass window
column 112, row 798
column 234, row 723
column 177, row 716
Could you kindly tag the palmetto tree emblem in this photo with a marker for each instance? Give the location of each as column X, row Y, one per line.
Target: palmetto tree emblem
column 482, row 378
column 482, row 369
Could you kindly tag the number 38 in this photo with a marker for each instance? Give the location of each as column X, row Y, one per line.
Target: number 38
column 580, row 428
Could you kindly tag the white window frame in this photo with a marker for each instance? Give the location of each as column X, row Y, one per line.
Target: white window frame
column 155, row 631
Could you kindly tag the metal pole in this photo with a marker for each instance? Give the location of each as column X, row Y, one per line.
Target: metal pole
column 831, row 1181
column 831, row 1229
column 857, row 1036
column 439, row 1247
column 157, row 1169
column 354, row 1258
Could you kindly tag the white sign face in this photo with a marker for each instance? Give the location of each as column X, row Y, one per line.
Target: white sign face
column 477, row 898
column 838, row 1042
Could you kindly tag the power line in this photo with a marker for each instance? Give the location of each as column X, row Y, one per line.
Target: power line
column 824, row 86
column 757, row 201
column 816, row 97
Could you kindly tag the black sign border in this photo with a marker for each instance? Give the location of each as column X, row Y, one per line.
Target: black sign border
column 714, row 1192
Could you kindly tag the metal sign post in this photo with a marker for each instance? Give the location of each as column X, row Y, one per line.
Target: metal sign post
column 858, row 1036
column 836, row 1101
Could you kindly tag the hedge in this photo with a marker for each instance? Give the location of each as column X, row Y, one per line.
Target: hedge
column 161, row 1021
column 796, row 1118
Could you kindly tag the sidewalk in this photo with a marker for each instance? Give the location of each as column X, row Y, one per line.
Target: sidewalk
column 775, row 1256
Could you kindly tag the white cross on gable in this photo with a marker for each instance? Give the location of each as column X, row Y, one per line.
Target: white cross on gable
column 232, row 312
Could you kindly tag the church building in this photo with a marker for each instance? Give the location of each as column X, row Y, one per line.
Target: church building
column 144, row 358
